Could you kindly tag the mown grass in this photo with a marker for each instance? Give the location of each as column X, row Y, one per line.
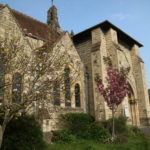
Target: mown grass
column 134, row 143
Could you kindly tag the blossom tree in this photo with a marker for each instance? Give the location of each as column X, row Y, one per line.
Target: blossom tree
column 27, row 77
column 116, row 89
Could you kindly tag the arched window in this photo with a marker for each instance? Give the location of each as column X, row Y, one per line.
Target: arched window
column 77, row 95
column 56, row 93
column 2, row 79
column 16, row 87
column 67, row 87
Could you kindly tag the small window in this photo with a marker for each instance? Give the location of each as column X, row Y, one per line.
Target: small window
column 56, row 93
column 51, row 15
column 67, row 87
column 77, row 95
column 16, row 87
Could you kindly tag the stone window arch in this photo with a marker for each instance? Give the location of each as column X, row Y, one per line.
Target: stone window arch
column 77, row 95
column 16, row 87
column 67, row 86
column 56, row 93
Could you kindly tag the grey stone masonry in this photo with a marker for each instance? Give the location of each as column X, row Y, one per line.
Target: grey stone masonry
column 139, row 75
column 84, row 50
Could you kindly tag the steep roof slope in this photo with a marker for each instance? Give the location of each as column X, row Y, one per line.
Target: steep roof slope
column 1, row 5
column 30, row 25
column 33, row 26
column 105, row 26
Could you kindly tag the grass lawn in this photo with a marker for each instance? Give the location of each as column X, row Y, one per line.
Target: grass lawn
column 134, row 143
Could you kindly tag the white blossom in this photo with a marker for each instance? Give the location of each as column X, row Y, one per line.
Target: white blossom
column 25, row 30
column 37, row 92
column 48, row 95
column 15, row 90
column 49, row 77
column 30, row 34
column 25, row 92
column 32, row 78
column 37, row 84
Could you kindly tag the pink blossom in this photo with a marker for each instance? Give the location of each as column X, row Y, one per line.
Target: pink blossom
column 117, row 87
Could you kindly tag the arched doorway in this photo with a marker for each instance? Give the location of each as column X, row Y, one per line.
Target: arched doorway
column 133, row 107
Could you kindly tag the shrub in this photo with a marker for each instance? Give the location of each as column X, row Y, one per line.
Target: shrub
column 83, row 126
column 23, row 133
column 67, row 137
column 97, row 131
column 120, row 125
column 63, row 136
column 55, row 136
column 77, row 123
column 134, row 131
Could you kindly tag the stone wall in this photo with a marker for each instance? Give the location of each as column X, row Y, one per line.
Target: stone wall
column 106, row 43
column 10, row 27
column 84, row 49
column 139, row 75
column 91, row 50
column 98, row 51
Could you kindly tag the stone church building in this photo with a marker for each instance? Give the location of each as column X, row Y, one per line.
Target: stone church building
column 89, row 47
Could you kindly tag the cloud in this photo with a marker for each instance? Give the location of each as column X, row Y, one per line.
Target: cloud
column 120, row 16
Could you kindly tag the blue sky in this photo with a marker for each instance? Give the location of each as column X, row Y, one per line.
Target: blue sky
column 132, row 16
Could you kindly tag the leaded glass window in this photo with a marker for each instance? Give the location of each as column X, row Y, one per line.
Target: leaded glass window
column 77, row 95
column 67, row 87
column 56, row 93
column 16, row 87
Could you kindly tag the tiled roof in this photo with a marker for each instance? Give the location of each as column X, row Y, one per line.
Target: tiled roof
column 1, row 5
column 32, row 26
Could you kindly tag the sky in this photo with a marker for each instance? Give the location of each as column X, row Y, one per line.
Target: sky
column 131, row 16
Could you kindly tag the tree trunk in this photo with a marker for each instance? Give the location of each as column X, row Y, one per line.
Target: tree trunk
column 113, row 123
column 3, row 127
column 1, row 136
column 2, row 130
